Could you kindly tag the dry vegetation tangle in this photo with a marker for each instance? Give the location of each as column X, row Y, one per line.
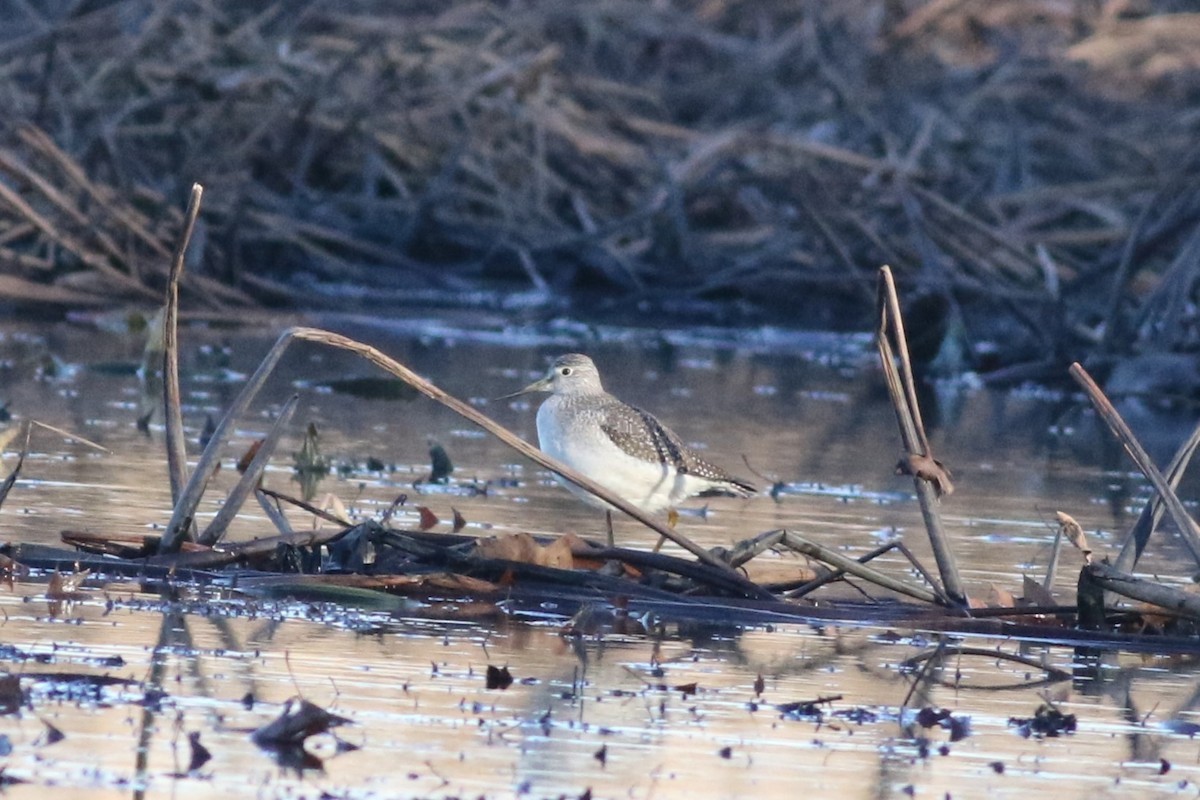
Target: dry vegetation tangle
column 1034, row 160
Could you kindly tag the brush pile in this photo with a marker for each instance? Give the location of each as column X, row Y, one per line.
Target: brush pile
column 1029, row 164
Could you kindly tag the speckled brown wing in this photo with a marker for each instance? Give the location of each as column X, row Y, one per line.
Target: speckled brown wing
column 642, row 436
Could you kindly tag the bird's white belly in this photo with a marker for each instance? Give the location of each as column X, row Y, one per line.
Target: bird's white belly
column 585, row 448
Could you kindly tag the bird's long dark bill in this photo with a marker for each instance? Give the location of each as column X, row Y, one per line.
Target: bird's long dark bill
column 542, row 385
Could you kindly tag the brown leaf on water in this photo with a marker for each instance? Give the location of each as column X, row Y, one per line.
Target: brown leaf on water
column 51, row 735
column 11, row 696
column 498, row 678
column 927, row 469
column 299, row 720
column 65, row 587
column 759, row 685
column 1073, row 531
column 523, row 548
column 428, row 518
column 243, row 463
column 999, row 597
column 200, row 754
column 510, row 547
column 460, row 521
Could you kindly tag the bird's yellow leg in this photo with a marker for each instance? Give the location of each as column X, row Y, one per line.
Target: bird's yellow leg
column 672, row 520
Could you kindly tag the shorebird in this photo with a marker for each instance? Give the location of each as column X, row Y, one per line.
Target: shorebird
column 624, row 449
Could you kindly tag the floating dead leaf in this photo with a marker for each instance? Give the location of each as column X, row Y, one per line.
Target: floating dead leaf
column 759, row 685
column 523, row 548
column 460, row 521
column 428, row 518
column 1073, row 531
column 510, row 547
column 65, row 587
column 51, row 735
column 243, row 463
column 11, row 696
column 927, row 469
column 687, row 689
column 9, row 569
column 999, row 597
column 1047, row 721
column 200, row 754
column 300, row 719
column 498, row 678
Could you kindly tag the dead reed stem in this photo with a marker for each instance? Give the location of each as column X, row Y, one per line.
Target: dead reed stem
column 172, row 402
column 912, row 431
column 1179, row 515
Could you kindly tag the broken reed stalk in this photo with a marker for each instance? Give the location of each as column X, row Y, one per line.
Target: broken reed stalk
column 1179, row 515
column 794, row 541
column 185, row 508
column 912, row 431
column 274, row 513
column 833, row 575
column 6, row 487
column 1147, row 521
column 233, row 503
column 172, row 404
column 1052, row 567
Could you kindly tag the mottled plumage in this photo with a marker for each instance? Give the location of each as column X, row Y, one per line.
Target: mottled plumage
column 622, row 448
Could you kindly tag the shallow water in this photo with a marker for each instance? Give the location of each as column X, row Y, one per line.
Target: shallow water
column 808, row 412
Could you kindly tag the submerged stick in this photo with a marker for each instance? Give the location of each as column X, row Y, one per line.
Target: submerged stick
column 1179, row 515
column 912, row 432
column 173, row 413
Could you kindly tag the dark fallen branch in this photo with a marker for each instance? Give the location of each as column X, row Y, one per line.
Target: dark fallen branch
column 1168, row 597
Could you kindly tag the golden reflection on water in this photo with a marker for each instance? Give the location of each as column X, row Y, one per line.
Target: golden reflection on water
column 414, row 687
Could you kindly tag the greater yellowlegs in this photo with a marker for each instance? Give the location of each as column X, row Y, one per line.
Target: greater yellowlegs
column 624, row 449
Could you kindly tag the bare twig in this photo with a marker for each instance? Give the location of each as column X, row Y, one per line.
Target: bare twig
column 912, row 431
column 176, row 450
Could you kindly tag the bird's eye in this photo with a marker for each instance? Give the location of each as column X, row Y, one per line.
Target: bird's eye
column 565, row 371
